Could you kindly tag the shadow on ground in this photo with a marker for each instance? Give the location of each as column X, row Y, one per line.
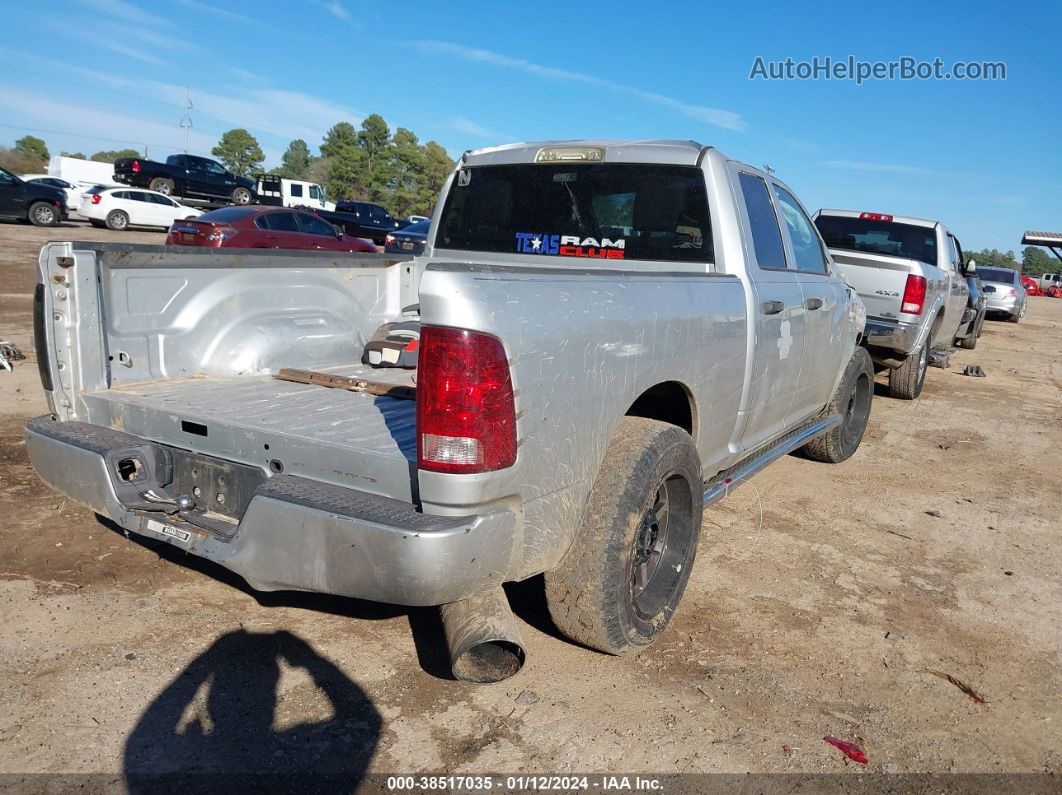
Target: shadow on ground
column 219, row 715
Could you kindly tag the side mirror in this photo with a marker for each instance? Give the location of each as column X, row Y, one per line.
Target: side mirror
column 338, row 232
column 971, row 267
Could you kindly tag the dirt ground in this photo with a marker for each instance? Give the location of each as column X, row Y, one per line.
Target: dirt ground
column 820, row 597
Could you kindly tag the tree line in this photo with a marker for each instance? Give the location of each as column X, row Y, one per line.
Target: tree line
column 368, row 162
column 30, row 154
column 1034, row 260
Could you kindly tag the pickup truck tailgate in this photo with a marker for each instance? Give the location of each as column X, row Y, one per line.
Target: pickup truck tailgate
column 332, row 435
column 879, row 279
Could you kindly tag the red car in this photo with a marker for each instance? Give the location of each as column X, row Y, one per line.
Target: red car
column 263, row 227
column 1031, row 287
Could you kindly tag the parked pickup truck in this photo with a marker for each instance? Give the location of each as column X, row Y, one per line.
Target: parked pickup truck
column 911, row 277
column 186, row 175
column 611, row 337
column 363, row 219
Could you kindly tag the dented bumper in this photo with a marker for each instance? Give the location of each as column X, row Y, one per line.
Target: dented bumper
column 293, row 534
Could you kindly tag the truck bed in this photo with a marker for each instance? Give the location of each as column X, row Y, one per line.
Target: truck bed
column 333, row 435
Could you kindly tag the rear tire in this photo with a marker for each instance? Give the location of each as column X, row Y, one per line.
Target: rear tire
column 43, row 214
column 1016, row 318
column 622, row 579
column 161, row 185
column 241, row 196
column 852, row 401
column 117, row 221
column 905, row 382
column 969, row 342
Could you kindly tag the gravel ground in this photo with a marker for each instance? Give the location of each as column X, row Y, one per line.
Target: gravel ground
column 822, row 598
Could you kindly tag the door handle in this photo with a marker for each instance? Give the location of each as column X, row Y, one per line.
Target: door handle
column 773, row 307
column 813, row 303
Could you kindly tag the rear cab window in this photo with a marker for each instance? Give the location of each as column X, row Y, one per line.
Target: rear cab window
column 873, row 236
column 596, row 211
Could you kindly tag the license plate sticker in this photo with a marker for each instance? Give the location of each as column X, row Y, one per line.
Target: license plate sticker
column 172, row 532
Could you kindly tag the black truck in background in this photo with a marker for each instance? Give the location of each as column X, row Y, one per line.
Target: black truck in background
column 362, row 219
column 186, row 176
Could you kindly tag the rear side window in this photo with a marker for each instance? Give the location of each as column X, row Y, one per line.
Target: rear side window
column 879, row 237
column 806, row 248
column 596, row 211
column 226, row 215
column 296, row 190
column 278, row 222
column 766, row 236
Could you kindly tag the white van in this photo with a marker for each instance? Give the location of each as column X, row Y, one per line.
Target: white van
column 283, row 192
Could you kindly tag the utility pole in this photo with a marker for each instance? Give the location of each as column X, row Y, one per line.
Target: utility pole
column 186, row 120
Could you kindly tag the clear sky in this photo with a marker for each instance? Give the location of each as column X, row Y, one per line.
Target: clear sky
column 984, row 157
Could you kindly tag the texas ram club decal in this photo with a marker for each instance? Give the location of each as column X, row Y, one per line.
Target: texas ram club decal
column 569, row 246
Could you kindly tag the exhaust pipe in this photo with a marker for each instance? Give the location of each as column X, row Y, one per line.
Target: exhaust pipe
column 483, row 638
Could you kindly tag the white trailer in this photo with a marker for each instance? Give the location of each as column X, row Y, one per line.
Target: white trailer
column 84, row 173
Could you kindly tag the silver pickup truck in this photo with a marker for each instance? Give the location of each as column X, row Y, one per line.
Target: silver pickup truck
column 911, row 277
column 611, row 336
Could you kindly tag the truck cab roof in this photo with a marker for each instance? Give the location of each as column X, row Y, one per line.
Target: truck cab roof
column 684, row 153
column 898, row 219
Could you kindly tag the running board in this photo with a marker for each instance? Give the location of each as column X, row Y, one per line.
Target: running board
column 716, row 490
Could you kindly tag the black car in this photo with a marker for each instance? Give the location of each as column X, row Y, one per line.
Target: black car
column 187, row 176
column 410, row 240
column 363, row 219
column 974, row 317
column 41, row 205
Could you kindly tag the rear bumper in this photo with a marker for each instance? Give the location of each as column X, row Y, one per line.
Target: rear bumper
column 895, row 335
column 1010, row 303
column 296, row 534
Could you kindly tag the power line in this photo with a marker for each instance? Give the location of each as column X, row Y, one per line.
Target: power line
column 93, row 137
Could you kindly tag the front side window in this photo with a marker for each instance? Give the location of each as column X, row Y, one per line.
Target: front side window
column 596, row 211
column 806, row 249
column 766, row 235
column 213, row 167
column 315, row 192
column 312, row 225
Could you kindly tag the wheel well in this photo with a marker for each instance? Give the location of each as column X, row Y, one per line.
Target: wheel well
column 668, row 402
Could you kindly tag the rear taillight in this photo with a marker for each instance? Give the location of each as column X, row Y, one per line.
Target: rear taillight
column 136, row 166
column 96, row 198
column 221, row 233
column 466, row 416
column 875, row 217
column 1013, row 291
column 914, row 295
column 389, row 240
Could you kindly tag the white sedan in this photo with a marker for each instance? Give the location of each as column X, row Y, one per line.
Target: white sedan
column 73, row 192
column 119, row 208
